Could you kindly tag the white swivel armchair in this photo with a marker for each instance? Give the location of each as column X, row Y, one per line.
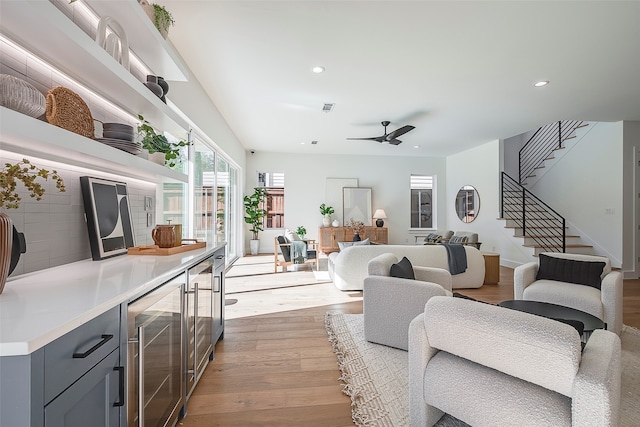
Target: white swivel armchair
column 492, row 366
column 391, row 303
column 603, row 301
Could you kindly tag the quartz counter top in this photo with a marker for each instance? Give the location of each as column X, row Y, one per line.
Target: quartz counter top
column 39, row 307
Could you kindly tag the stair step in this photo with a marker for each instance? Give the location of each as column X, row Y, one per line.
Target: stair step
column 534, row 226
column 546, row 236
column 568, row 245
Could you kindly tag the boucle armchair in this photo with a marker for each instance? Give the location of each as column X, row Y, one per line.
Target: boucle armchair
column 603, row 301
column 491, row 366
column 390, row 303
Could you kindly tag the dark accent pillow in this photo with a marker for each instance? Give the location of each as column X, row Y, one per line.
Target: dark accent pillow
column 403, row 269
column 571, row 271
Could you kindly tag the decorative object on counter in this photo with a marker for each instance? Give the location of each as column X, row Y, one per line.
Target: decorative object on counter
column 12, row 243
column 164, row 235
column 254, row 214
column 21, row 96
column 153, row 86
column 66, row 109
column 155, row 143
column 380, row 216
column 160, row 17
column 115, row 43
column 357, row 227
column 326, row 212
column 106, row 206
column 335, row 223
column 301, row 231
column 165, row 88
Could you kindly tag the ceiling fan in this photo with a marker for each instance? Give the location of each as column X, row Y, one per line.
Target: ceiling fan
column 391, row 137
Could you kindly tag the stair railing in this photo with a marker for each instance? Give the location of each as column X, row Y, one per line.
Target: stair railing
column 542, row 144
column 538, row 221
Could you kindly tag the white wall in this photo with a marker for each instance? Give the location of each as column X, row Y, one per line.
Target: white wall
column 305, row 177
column 585, row 186
column 631, row 199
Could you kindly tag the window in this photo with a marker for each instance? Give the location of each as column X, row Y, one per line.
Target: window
column 274, row 183
column 422, row 201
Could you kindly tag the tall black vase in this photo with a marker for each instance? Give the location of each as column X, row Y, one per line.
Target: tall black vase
column 356, row 237
column 165, row 88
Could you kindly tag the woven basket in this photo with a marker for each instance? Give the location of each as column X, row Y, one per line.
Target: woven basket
column 67, row 110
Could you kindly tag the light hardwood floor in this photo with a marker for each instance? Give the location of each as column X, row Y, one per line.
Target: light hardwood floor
column 278, row 369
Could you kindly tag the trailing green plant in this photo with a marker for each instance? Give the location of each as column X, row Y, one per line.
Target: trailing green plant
column 162, row 18
column 254, row 211
column 326, row 210
column 156, row 143
column 301, row 231
column 27, row 173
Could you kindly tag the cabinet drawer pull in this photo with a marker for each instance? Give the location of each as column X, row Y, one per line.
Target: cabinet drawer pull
column 103, row 341
column 120, row 401
column 220, row 257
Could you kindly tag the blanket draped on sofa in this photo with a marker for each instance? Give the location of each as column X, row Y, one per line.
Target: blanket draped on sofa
column 457, row 257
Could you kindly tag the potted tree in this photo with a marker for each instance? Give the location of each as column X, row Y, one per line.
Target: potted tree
column 254, row 214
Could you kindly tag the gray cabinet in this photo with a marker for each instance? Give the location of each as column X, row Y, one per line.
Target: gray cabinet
column 76, row 380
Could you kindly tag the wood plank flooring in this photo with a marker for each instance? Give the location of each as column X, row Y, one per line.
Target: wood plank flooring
column 278, row 369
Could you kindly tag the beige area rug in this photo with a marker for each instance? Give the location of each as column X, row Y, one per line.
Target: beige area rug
column 376, row 377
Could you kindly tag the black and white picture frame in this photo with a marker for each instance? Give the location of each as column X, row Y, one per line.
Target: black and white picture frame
column 106, row 205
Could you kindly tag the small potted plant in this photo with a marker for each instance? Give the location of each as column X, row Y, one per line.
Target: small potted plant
column 326, row 212
column 161, row 17
column 156, row 143
column 28, row 174
column 301, row 231
column 254, row 214
column 357, row 227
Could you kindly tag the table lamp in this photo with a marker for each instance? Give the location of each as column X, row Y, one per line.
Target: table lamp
column 380, row 215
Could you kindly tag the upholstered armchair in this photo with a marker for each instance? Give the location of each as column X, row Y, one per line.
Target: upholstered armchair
column 488, row 365
column 602, row 297
column 390, row 303
column 285, row 252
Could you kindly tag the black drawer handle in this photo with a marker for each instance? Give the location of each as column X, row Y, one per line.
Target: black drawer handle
column 220, row 257
column 102, row 342
column 120, row 370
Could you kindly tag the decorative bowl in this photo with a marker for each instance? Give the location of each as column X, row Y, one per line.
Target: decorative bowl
column 21, row 96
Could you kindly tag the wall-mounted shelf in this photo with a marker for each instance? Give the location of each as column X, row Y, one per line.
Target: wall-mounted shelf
column 28, row 136
column 57, row 40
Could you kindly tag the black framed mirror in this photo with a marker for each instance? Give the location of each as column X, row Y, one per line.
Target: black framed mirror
column 467, row 203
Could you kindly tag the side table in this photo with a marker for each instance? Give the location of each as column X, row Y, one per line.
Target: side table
column 491, row 268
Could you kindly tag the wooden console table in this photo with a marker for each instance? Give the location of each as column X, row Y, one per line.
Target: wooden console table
column 329, row 237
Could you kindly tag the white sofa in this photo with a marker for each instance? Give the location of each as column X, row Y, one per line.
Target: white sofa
column 491, row 366
column 348, row 268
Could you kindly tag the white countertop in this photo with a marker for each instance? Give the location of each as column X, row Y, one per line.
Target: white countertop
column 39, row 307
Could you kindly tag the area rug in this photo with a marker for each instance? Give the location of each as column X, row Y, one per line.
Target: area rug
column 376, row 378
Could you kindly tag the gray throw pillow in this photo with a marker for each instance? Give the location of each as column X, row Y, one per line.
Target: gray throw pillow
column 458, row 239
column 402, row 269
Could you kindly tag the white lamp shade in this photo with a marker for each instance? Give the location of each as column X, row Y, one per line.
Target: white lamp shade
column 380, row 214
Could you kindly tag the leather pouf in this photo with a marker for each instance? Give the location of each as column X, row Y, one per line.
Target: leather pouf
column 6, row 241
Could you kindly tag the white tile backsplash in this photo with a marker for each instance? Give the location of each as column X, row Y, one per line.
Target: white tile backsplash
column 55, row 228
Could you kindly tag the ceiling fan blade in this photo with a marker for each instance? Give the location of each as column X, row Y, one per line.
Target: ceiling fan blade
column 398, row 132
column 373, row 138
column 395, row 142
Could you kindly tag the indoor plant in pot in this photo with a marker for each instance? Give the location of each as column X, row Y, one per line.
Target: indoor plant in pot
column 12, row 243
column 156, row 143
column 301, row 231
column 254, row 214
column 326, row 212
column 160, row 17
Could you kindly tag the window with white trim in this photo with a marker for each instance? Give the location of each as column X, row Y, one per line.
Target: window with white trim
column 274, row 202
column 422, row 201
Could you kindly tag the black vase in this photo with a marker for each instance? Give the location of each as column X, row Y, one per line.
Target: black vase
column 356, row 237
column 165, row 88
column 153, row 86
column 19, row 246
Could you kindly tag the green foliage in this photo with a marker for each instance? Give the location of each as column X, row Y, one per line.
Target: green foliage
column 162, row 18
column 27, row 173
column 326, row 210
column 301, row 231
column 254, row 211
column 156, row 143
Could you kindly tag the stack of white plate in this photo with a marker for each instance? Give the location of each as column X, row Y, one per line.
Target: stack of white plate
column 120, row 136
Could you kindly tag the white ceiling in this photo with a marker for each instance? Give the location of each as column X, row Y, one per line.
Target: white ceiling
column 461, row 72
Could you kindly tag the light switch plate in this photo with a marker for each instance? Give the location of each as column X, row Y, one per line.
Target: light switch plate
column 149, row 219
column 148, row 203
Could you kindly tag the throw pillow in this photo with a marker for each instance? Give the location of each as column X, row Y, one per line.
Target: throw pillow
column 402, row 269
column 458, row 239
column 291, row 236
column 433, row 238
column 586, row 273
column 343, row 245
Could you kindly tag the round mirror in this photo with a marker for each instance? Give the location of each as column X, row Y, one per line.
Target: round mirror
column 467, row 203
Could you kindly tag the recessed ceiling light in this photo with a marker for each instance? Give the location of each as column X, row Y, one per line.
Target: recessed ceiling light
column 416, row 146
column 318, row 69
column 541, row 83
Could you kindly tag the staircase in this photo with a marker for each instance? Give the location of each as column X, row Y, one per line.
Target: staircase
column 544, row 147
